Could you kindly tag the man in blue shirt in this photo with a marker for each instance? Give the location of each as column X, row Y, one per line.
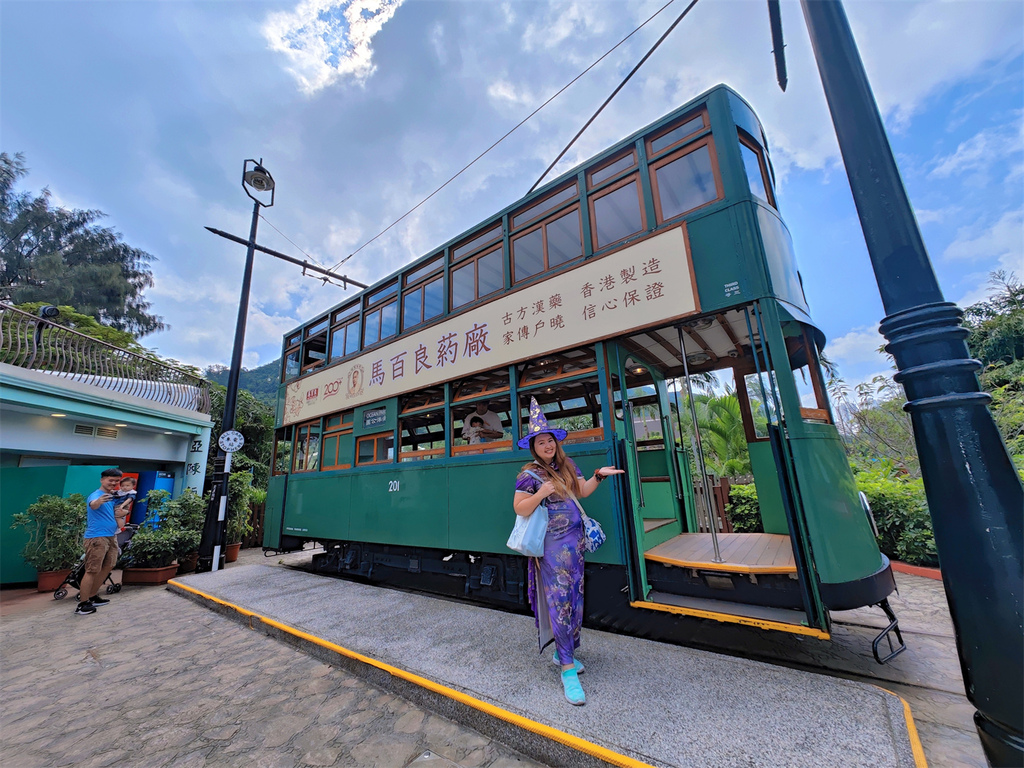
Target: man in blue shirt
column 103, row 521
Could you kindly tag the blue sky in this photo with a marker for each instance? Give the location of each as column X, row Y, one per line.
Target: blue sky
column 361, row 108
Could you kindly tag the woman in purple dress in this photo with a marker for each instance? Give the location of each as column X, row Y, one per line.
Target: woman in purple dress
column 556, row 579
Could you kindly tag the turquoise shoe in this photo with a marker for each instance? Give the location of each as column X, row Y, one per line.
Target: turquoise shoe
column 573, row 690
column 577, row 662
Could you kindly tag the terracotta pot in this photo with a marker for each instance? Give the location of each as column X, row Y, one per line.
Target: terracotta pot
column 188, row 563
column 149, row 575
column 231, row 552
column 50, row 580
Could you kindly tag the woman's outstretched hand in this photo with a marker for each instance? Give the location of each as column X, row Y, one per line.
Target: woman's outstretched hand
column 604, row 472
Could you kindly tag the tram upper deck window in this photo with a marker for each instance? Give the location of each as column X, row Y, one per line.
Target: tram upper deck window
column 574, row 406
column 544, row 206
column 314, row 348
column 611, row 169
column 803, row 358
column 291, row 357
column 381, row 322
column 423, row 298
column 757, row 171
column 685, row 180
column 615, row 213
column 345, row 332
column 675, row 135
column 548, row 245
column 477, row 277
column 476, row 242
column 484, row 383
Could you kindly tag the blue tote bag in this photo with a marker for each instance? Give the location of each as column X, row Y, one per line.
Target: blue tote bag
column 527, row 536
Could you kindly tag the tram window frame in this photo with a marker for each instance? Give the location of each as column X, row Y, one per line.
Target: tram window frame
column 607, row 191
column 481, row 385
column 292, row 354
column 539, row 209
column 749, row 143
column 653, row 152
column 282, row 461
column 478, row 241
column 315, row 337
column 347, row 322
column 417, row 282
column 428, row 398
column 542, row 226
column 435, row 416
column 379, row 440
column 705, row 143
column 310, row 459
column 561, row 391
column 462, row 412
column 472, row 262
column 821, row 413
column 593, row 182
column 336, row 427
column 374, row 306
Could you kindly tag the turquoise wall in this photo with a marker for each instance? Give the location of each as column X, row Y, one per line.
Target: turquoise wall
column 20, row 487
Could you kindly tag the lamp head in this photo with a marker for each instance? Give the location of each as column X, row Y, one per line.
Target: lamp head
column 258, row 179
column 48, row 312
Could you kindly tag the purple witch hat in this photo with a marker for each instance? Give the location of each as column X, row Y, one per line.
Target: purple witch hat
column 539, row 425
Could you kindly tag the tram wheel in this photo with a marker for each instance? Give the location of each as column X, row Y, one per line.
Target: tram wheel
column 60, row 594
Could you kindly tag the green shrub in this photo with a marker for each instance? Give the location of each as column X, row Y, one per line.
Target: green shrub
column 900, row 510
column 239, row 513
column 55, row 528
column 743, row 510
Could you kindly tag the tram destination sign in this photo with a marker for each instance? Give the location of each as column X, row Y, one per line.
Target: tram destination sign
column 645, row 283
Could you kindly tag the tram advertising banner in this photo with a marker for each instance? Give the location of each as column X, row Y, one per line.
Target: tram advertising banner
column 643, row 284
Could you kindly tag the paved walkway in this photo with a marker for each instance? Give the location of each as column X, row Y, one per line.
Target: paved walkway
column 648, row 702
column 152, row 680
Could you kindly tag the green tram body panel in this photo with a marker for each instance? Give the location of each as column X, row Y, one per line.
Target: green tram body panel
column 741, row 256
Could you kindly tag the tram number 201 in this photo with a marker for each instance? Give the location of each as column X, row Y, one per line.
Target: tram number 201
column 394, row 485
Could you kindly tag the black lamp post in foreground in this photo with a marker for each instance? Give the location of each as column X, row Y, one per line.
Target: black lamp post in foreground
column 974, row 494
column 211, row 547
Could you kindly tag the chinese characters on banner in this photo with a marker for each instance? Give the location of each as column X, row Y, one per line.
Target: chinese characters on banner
column 646, row 283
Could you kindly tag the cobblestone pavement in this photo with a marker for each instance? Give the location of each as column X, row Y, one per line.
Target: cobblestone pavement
column 152, row 680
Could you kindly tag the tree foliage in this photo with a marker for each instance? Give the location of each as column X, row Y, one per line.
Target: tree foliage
column 255, row 420
column 261, row 382
column 63, row 257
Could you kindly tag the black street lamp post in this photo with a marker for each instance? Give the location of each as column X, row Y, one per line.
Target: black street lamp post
column 974, row 493
column 211, row 547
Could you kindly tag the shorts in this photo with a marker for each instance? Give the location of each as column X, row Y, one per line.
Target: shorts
column 100, row 554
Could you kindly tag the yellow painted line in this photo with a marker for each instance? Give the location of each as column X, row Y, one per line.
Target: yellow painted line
column 779, row 626
column 915, row 741
column 581, row 745
column 725, row 567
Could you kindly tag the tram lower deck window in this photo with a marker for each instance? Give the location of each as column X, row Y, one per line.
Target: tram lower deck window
column 375, row 449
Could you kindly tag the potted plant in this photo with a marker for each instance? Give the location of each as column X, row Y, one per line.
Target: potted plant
column 153, row 548
column 239, row 513
column 55, row 527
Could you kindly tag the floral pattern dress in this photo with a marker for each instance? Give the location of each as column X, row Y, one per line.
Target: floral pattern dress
column 555, row 581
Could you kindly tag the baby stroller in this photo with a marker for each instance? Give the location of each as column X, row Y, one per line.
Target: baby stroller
column 74, row 579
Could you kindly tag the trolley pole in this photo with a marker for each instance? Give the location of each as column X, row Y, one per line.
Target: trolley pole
column 974, row 493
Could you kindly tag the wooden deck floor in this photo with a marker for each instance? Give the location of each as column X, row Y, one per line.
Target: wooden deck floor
column 741, row 552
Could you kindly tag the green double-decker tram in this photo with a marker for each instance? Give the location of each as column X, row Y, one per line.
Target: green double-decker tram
column 607, row 295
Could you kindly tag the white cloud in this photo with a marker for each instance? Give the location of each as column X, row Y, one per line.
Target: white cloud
column 860, row 345
column 1002, row 242
column 982, row 151
column 324, row 40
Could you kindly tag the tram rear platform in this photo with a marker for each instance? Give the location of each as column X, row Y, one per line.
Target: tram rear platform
column 648, row 703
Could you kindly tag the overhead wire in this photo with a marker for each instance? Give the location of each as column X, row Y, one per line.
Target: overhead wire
column 515, row 128
column 613, row 94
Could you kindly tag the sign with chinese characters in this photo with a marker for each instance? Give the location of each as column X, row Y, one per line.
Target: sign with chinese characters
column 374, row 417
column 648, row 282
